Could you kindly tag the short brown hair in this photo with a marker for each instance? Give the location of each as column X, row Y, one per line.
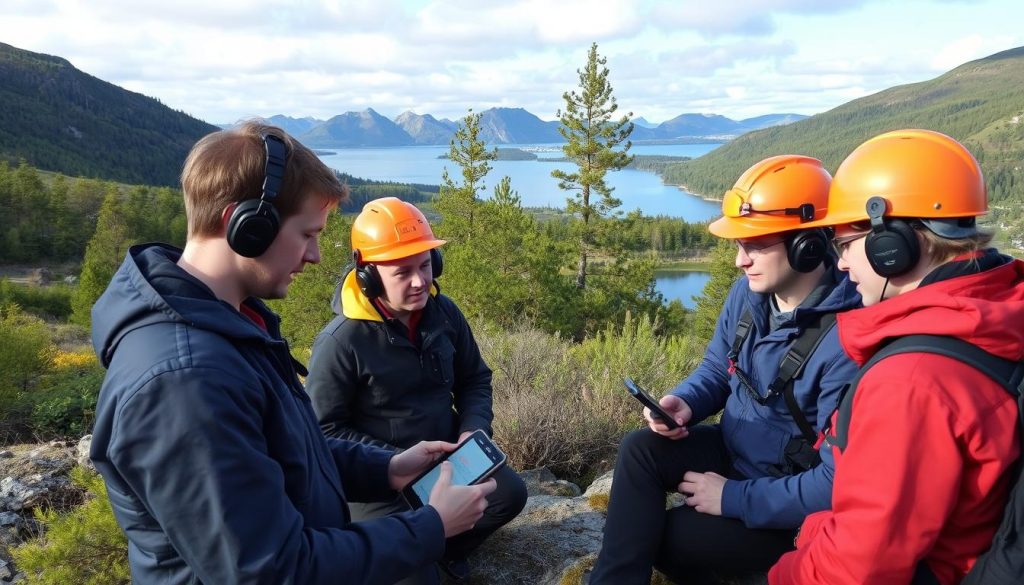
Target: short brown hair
column 226, row 167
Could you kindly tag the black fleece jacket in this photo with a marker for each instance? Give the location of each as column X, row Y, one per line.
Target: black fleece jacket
column 368, row 382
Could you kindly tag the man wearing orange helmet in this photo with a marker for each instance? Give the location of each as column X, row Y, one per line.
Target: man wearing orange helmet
column 923, row 442
column 775, row 366
column 399, row 363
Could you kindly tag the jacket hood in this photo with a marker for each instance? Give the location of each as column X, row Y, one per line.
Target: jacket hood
column 350, row 301
column 151, row 288
column 985, row 308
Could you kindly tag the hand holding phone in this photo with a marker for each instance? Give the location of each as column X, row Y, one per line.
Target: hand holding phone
column 653, row 405
column 473, row 461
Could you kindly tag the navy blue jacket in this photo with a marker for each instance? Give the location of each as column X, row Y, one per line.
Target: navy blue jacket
column 213, row 460
column 756, row 435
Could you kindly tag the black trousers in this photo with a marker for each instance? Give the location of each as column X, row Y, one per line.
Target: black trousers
column 503, row 504
column 686, row 545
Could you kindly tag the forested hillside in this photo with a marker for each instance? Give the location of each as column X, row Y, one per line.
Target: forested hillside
column 60, row 119
column 980, row 103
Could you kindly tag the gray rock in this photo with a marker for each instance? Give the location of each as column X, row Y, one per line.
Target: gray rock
column 10, row 486
column 6, row 572
column 82, row 452
column 9, row 519
column 6, row 454
column 541, row 481
column 535, row 547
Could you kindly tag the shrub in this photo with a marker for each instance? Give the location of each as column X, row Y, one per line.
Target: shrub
column 25, row 350
column 563, row 406
column 64, row 403
column 656, row 363
column 52, row 302
column 538, row 419
column 83, row 546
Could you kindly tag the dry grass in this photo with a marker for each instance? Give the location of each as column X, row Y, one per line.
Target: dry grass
column 562, row 405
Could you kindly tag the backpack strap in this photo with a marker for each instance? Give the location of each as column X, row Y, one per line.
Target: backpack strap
column 743, row 327
column 792, row 365
column 1007, row 373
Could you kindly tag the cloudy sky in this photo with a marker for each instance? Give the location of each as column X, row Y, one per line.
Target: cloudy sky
column 222, row 60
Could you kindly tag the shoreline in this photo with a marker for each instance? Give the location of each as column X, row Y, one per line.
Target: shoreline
column 687, row 190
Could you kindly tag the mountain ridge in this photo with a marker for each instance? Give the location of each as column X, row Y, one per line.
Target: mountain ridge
column 59, row 118
column 519, row 126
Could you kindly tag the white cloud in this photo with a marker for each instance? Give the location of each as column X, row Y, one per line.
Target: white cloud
column 967, row 49
column 235, row 58
column 741, row 17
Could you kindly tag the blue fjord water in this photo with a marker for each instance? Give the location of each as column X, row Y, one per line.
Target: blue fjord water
column 532, row 180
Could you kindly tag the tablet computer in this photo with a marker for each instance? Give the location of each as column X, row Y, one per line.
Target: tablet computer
column 475, row 459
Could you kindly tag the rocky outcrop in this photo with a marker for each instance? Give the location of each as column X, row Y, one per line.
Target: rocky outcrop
column 553, row 540
column 32, row 477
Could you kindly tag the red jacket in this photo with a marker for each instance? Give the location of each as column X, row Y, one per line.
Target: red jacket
column 924, row 474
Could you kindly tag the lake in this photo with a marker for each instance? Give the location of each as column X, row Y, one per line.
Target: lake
column 681, row 284
column 642, row 190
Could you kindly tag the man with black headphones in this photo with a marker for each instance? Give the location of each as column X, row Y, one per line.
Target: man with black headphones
column 775, row 366
column 399, row 364
column 926, row 440
column 214, row 464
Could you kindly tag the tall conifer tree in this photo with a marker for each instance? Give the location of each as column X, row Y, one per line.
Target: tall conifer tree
column 103, row 255
column 596, row 142
column 457, row 202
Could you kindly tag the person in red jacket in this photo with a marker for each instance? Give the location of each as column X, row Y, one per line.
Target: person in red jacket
column 923, row 478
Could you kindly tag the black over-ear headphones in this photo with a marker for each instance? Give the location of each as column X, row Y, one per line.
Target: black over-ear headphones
column 892, row 246
column 806, row 249
column 369, row 279
column 254, row 222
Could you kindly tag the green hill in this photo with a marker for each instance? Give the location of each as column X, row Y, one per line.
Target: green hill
column 980, row 103
column 61, row 119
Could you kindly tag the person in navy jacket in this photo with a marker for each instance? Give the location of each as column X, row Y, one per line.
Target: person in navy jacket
column 212, row 457
column 750, row 479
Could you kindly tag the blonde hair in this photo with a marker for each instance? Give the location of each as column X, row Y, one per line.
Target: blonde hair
column 227, row 167
column 942, row 250
column 937, row 248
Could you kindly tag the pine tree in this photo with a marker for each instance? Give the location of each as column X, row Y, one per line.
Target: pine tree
column 84, row 545
column 103, row 255
column 457, row 202
column 31, row 208
column 592, row 136
column 63, row 221
column 712, row 298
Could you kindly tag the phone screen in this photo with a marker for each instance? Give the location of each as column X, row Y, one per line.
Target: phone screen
column 469, row 462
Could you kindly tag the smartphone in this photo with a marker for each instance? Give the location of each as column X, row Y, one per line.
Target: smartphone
column 475, row 459
column 656, row 410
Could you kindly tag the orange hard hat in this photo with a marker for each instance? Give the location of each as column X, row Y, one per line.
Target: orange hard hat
column 390, row 229
column 778, row 194
column 920, row 173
